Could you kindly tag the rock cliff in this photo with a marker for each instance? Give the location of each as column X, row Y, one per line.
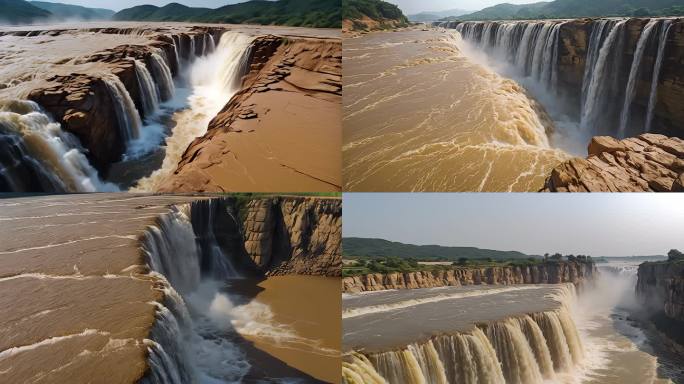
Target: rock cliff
column 279, row 131
column 294, row 235
column 548, row 273
column 646, row 163
column 660, row 286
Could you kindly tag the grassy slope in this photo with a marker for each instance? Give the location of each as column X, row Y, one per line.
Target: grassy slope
column 300, row 13
column 354, row 246
column 68, row 11
column 575, row 8
column 20, row 12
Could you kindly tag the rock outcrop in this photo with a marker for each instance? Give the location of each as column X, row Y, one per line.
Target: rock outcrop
column 281, row 131
column 294, row 235
column 660, row 286
column 548, row 273
column 646, row 163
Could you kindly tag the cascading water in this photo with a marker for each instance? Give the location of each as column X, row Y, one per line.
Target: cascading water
column 127, row 115
column 188, row 342
column 38, row 156
column 26, row 165
column 214, row 79
column 163, row 76
column 527, row 349
column 653, row 98
column 149, row 92
column 634, row 75
column 532, row 49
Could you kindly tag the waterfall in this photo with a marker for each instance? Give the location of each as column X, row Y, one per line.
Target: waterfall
column 149, row 93
column 526, row 350
column 634, row 75
column 186, row 344
column 192, row 53
column 597, row 89
column 178, row 50
column 212, row 43
column 126, row 113
column 37, row 155
column 163, row 76
column 532, row 47
column 214, row 78
column 653, row 98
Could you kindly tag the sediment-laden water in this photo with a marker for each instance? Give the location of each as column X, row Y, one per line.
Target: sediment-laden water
column 503, row 334
column 421, row 115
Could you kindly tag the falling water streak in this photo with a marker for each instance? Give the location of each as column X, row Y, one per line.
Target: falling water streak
column 54, row 157
column 183, row 349
column 634, row 75
column 192, row 53
column 595, row 42
column 126, row 113
column 163, row 76
column 149, row 92
column 653, row 98
column 525, row 350
column 595, row 96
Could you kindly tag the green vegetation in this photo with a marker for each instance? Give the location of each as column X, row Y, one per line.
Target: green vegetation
column 365, row 265
column 27, row 12
column 21, row 12
column 68, row 11
column 675, row 255
column 297, row 13
column 374, row 9
column 561, row 9
column 355, row 246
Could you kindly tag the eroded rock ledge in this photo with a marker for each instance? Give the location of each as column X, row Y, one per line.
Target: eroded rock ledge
column 281, row 131
column 647, row 163
column 661, row 286
column 549, row 273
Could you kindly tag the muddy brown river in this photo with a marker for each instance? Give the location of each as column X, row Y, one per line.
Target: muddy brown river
column 419, row 115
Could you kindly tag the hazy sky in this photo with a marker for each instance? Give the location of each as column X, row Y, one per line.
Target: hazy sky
column 415, row 6
column 618, row 224
column 121, row 4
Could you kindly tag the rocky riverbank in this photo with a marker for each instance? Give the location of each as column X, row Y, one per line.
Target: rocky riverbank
column 548, row 273
column 660, row 286
column 647, row 163
column 281, row 131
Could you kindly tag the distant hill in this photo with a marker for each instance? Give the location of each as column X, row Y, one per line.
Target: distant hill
column 356, row 246
column 298, row 13
column 561, row 9
column 21, row 12
column 369, row 15
column 68, row 11
column 436, row 15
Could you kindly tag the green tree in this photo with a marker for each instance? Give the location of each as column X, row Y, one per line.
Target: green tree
column 675, row 255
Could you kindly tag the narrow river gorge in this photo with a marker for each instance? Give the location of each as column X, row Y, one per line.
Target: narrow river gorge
column 147, row 107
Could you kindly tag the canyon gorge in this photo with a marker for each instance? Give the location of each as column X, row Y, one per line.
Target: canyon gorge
column 169, row 107
column 169, row 289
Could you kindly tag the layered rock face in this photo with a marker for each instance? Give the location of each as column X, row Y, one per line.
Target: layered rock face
column 291, row 235
column 646, row 163
column 573, row 50
column 660, row 286
column 573, row 47
column 549, row 273
column 281, row 131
